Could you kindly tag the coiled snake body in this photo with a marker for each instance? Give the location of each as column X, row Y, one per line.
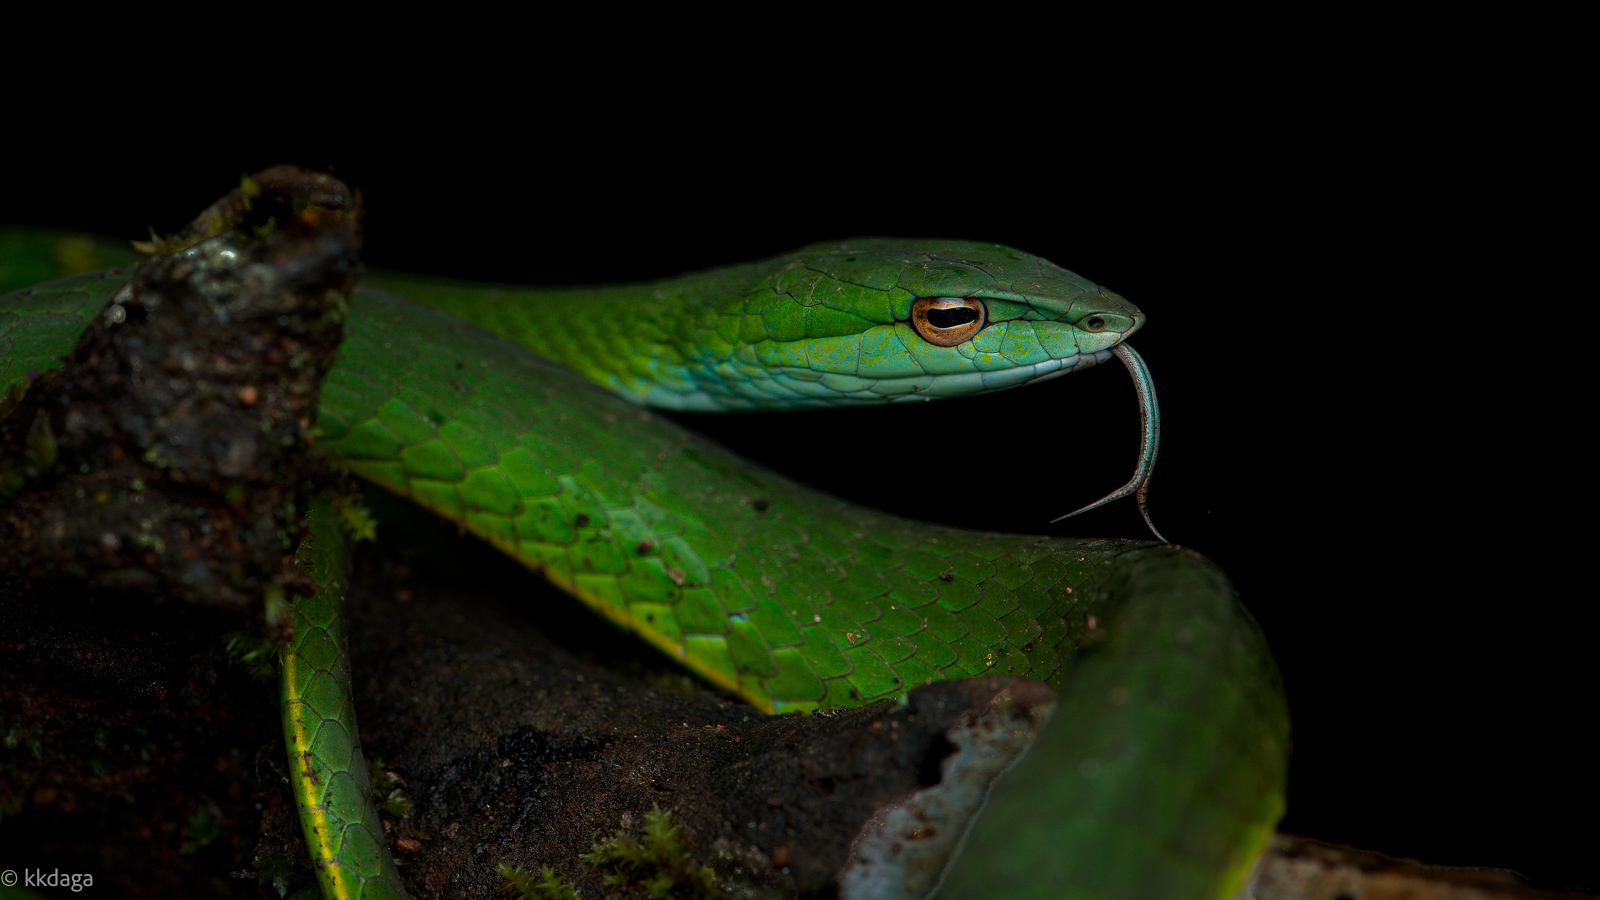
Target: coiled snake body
column 1161, row 773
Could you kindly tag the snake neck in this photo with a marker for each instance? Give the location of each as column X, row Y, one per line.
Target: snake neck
column 644, row 341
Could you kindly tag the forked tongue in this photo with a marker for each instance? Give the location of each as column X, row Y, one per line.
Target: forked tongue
column 1149, row 439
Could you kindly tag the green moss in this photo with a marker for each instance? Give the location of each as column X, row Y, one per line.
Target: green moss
column 253, row 651
column 275, row 869
column 658, row 861
column 256, row 648
column 356, row 518
column 211, row 225
column 547, row 886
column 158, row 245
column 388, row 790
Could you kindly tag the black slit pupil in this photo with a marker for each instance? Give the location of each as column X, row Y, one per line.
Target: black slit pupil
column 951, row 318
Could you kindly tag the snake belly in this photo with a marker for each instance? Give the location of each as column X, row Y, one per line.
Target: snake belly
column 1161, row 773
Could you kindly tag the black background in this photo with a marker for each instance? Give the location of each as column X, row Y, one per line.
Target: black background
column 1356, row 424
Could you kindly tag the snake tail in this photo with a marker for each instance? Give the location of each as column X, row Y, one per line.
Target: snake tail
column 327, row 772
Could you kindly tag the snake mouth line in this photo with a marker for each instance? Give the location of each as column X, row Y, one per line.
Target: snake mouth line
column 797, row 387
column 963, row 383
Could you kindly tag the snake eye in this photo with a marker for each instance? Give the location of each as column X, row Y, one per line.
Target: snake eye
column 946, row 321
column 1094, row 323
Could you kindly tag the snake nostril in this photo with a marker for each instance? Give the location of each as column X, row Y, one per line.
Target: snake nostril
column 1095, row 322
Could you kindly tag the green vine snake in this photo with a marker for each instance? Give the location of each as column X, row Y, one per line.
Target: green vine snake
column 524, row 415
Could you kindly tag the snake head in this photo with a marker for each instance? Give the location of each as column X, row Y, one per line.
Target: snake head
column 882, row 320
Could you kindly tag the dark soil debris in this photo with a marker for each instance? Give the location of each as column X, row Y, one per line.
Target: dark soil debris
column 178, row 428
column 518, row 752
